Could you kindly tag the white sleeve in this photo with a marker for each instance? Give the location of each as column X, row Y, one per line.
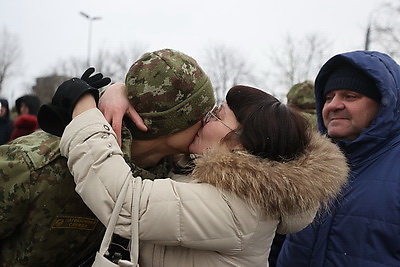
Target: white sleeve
column 295, row 223
column 95, row 160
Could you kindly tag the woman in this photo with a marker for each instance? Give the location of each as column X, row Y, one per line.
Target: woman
column 27, row 107
column 24, row 124
column 262, row 171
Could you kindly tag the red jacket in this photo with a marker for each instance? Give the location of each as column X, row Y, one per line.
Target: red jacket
column 24, row 124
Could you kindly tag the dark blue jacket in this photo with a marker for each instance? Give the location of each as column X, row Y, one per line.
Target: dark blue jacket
column 6, row 124
column 363, row 226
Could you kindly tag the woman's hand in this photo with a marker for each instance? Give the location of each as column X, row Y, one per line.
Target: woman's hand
column 85, row 102
column 55, row 116
column 114, row 105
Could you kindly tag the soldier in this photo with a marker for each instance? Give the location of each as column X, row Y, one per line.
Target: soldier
column 43, row 221
column 301, row 97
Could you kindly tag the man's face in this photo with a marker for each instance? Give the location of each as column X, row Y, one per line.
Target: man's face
column 24, row 109
column 183, row 139
column 346, row 113
column 3, row 111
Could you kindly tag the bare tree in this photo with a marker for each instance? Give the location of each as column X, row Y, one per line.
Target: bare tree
column 113, row 64
column 10, row 55
column 71, row 67
column 226, row 67
column 383, row 31
column 298, row 60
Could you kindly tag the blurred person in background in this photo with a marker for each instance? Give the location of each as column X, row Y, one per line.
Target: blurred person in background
column 301, row 97
column 27, row 107
column 27, row 104
column 6, row 124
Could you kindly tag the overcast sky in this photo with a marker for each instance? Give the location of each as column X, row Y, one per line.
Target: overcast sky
column 51, row 30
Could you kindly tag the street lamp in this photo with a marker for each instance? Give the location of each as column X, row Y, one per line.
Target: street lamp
column 91, row 19
column 372, row 27
column 368, row 36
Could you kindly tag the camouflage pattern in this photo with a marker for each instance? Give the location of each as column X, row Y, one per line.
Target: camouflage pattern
column 170, row 92
column 301, row 97
column 43, row 221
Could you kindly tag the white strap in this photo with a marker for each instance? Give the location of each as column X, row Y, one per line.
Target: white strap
column 137, row 187
column 134, row 248
column 105, row 243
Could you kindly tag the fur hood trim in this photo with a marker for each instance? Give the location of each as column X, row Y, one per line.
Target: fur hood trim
column 281, row 189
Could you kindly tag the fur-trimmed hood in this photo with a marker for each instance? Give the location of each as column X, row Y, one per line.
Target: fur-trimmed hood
column 314, row 178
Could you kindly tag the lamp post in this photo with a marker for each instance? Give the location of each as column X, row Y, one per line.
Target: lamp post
column 373, row 28
column 90, row 19
column 368, row 36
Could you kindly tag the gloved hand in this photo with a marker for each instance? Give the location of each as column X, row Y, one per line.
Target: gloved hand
column 55, row 116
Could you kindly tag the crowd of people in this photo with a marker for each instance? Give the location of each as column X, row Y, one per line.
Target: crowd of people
column 251, row 182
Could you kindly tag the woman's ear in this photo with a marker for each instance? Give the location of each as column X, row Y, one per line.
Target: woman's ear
column 232, row 140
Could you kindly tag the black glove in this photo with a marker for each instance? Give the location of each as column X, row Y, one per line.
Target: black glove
column 55, row 116
column 97, row 80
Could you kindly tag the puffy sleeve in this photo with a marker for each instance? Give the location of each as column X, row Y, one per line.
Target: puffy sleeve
column 193, row 215
column 297, row 222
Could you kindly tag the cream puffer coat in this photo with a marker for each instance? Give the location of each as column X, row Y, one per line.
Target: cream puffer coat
column 226, row 216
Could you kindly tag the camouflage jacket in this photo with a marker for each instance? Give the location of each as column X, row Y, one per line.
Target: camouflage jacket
column 43, row 221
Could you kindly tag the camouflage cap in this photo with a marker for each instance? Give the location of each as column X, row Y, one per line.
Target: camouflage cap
column 301, row 96
column 170, row 92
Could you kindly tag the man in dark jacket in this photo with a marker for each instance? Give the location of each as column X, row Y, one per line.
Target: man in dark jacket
column 358, row 106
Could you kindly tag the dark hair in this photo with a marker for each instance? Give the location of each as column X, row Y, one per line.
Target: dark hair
column 268, row 128
column 32, row 101
column 4, row 103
